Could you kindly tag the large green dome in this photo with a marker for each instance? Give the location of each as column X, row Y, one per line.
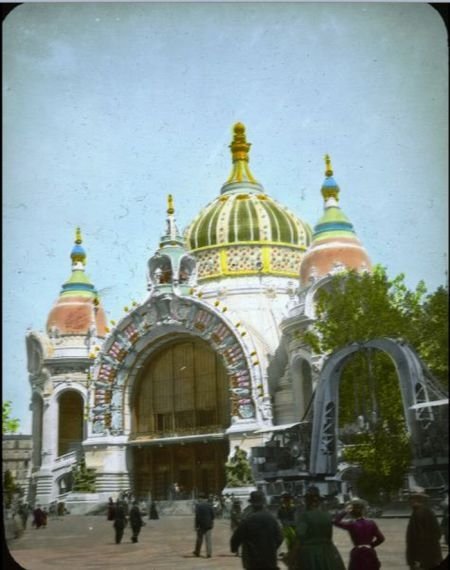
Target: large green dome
column 246, row 217
column 244, row 231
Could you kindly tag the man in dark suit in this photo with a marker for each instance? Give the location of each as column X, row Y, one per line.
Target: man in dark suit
column 136, row 521
column 120, row 521
column 260, row 535
column 204, row 522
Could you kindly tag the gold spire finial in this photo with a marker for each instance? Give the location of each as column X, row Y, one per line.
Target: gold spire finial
column 78, row 238
column 329, row 168
column 170, row 205
column 239, row 145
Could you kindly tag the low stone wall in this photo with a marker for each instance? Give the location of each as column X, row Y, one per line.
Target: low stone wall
column 86, row 503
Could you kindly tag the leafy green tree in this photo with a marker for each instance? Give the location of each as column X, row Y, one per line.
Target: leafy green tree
column 10, row 488
column 430, row 334
column 10, row 425
column 360, row 307
column 83, row 478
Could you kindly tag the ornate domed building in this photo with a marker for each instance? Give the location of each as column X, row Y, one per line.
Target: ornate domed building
column 209, row 360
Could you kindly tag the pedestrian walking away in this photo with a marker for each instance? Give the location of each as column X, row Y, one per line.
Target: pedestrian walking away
column 314, row 547
column 111, row 509
column 364, row 534
column 204, row 523
column 235, row 516
column 423, row 533
column 153, row 512
column 120, row 521
column 38, row 517
column 24, row 512
column 259, row 534
column 136, row 521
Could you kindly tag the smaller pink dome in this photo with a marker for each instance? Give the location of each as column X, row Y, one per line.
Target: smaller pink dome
column 73, row 316
column 324, row 256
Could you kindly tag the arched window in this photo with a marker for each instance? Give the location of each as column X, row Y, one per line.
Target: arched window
column 70, row 424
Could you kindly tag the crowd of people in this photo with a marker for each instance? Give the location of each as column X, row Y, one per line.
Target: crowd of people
column 257, row 534
column 303, row 529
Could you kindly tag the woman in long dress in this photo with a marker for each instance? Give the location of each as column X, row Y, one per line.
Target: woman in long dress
column 364, row 534
column 314, row 531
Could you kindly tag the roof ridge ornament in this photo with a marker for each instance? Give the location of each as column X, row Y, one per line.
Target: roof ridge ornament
column 329, row 168
column 330, row 189
column 172, row 235
column 78, row 236
column 78, row 254
column 240, row 149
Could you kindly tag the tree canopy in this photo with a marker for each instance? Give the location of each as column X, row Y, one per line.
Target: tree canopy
column 10, row 425
column 360, row 307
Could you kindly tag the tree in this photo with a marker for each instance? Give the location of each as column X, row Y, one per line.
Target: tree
column 430, row 335
column 10, row 425
column 10, row 488
column 83, row 478
column 359, row 307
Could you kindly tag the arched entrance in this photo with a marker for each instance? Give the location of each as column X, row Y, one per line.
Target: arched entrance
column 415, row 386
column 180, row 410
column 70, row 421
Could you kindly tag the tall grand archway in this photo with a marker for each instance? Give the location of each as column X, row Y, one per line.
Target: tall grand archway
column 181, row 393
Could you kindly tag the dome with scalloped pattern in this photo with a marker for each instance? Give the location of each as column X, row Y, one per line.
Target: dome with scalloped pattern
column 244, row 231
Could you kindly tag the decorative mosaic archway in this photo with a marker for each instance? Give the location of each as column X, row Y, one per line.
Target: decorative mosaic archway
column 416, row 386
column 145, row 330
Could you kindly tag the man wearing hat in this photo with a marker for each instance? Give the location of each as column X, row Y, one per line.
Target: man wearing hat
column 423, row 534
column 204, row 522
column 314, row 548
column 260, row 536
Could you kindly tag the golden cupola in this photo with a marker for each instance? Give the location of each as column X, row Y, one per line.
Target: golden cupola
column 244, row 231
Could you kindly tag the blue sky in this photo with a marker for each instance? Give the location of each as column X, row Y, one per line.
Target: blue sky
column 110, row 107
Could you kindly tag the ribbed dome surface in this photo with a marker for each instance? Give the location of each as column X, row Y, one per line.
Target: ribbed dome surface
column 246, row 218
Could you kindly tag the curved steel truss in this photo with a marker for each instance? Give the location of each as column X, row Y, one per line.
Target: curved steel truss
column 418, row 389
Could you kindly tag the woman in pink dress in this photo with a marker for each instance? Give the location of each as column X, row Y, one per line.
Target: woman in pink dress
column 365, row 536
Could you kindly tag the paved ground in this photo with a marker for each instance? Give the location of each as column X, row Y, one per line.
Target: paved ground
column 87, row 542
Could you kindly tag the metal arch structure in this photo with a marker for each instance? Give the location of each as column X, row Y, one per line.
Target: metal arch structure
column 416, row 385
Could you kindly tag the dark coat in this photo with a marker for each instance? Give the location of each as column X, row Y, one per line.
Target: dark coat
column 135, row 517
column 422, row 538
column 260, row 536
column 120, row 517
column 204, row 516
